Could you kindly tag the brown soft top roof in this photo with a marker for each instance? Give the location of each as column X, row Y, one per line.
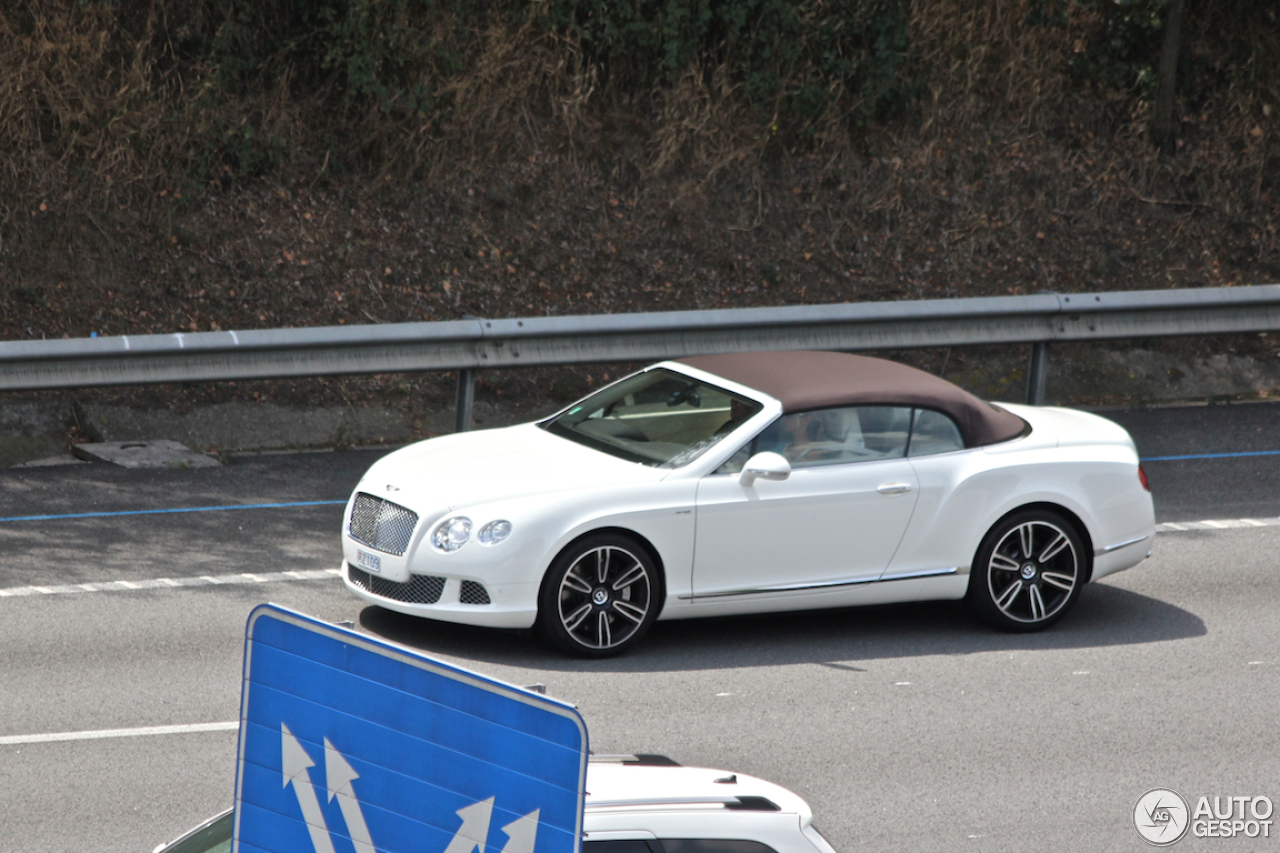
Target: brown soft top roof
column 820, row 380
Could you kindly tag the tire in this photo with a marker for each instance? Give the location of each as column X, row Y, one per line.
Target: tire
column 600, row 596
column 1028, row 571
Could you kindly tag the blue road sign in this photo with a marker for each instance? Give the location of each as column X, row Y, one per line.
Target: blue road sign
column 349, row 744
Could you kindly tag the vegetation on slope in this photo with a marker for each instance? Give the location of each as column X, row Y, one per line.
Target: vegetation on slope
column 187, row 165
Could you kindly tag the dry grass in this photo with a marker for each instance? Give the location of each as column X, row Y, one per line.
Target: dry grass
column 539, row 185
column 101, row 107
column 98, row 111
column 72, row 101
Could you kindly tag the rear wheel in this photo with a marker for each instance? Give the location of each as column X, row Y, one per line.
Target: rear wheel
column 1028, row 571
column 600, row 596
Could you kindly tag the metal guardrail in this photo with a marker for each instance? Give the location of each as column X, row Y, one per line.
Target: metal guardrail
column 468, row 346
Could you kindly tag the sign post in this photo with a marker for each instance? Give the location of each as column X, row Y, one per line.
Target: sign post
column 350, row 743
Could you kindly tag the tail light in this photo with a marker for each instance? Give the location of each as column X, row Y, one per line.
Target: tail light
column 1142, row 478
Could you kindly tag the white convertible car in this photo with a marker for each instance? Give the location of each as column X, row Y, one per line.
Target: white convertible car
column 750, row 483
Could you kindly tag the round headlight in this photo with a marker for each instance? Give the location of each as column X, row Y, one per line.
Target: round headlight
column 451, row 534
column 494, row 532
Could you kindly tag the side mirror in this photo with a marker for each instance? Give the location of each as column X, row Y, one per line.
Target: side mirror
column 765, row 466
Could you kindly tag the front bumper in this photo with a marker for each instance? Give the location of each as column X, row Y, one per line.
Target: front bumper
column 448, row 599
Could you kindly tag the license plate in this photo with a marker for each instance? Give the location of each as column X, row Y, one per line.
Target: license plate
column 372, row 562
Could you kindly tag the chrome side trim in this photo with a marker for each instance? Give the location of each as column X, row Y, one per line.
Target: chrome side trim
column 783, row 588
column 927, row 573
column 1119, row 545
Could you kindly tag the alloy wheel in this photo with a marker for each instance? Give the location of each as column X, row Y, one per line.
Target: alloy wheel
column 604, row 597
column 1032, row 572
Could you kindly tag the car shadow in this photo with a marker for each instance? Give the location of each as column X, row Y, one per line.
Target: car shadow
column 1104, row 616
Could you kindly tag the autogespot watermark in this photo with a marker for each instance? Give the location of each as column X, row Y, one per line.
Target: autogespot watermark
column 1164, row 817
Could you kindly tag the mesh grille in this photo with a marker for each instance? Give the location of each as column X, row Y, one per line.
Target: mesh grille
column 381, row 524
column 473, row 593
column 420, row 589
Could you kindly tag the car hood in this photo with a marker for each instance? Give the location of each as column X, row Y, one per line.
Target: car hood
column 460, row 470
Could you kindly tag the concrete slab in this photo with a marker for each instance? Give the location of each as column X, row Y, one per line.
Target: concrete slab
column 144, row 454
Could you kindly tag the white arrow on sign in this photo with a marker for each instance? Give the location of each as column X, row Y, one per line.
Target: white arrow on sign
column 295, row 763
column 338, row 777
column 522, row 833
column 475, row 828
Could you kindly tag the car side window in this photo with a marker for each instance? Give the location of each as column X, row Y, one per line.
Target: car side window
column 733, row 465
column 621, row 845
column 933, row 432
column 713, row 845
column 766, row 440
column 836, row 436
column 821, row 437
column 885, row 430
column 842, row 435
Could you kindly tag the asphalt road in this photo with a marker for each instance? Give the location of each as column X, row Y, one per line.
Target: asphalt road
column 906, row 727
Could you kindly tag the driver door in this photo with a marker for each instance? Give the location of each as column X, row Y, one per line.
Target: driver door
column 835, row 520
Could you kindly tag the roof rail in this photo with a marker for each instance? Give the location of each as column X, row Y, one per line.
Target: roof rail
column 753, row 804
column 743, row 803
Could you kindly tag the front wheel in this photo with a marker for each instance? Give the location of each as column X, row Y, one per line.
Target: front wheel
column 599, row 597
column 1028, row 571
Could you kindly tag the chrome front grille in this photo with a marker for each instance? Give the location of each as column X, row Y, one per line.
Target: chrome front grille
column 381, row 524
column 419, row 589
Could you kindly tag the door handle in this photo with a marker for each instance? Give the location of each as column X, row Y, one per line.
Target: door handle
column 894, row 488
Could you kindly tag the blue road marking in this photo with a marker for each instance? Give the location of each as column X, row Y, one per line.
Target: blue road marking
column 167, row 511
column 1211, row 456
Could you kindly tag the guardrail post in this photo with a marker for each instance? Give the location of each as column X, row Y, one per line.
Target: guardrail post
column 1037, row 373
column 466, row 397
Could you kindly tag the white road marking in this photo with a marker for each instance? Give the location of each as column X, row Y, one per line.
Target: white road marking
column 1216, row 524
column 170, row 583
column 99, row 734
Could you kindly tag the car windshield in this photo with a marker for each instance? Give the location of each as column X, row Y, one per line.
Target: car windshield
column 658, row 417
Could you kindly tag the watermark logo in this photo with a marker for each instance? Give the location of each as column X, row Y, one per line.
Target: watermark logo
column 1161, row 817
column 1232, row 817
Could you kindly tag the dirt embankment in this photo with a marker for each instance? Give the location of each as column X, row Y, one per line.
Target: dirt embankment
column 549, row 190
